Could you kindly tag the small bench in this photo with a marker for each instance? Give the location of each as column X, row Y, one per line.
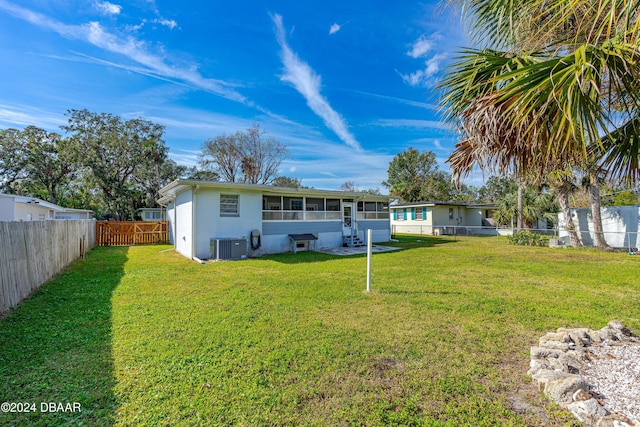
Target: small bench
column 302, row 241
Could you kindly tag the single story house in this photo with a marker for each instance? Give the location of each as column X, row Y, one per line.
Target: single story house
column 20, row 208
column 152, row 214
column 440, row 218
column 204, row 216
column 619, row 223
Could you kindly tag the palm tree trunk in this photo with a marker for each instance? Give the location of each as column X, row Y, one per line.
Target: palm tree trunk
column 594, row 199
column 563, row 202
column 520, row 213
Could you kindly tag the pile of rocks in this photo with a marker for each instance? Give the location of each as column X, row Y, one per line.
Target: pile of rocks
column 557, row 363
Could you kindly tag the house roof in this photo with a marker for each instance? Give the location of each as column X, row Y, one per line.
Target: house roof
column 456, row 204
column 43, row 203
column 168, row 192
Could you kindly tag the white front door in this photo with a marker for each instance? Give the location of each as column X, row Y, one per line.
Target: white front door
column 349, row 219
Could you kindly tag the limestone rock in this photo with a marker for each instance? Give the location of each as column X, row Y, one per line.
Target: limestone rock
column 587, row 410
column 615, row 420
column 581, row 395
column 544, row 353
column 561, row 391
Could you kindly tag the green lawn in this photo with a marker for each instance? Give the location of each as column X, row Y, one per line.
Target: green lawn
column 142, row 336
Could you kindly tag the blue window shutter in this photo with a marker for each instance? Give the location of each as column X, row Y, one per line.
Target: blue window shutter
column 395, row 214
column 404, row 214
column 413, row 213
column 424, row 214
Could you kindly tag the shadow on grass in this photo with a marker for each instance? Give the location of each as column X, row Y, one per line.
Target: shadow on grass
column 400, row 244
column 56, row 346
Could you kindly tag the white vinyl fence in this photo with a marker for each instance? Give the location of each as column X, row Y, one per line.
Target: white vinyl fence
column 32, row 252
column 619, row 239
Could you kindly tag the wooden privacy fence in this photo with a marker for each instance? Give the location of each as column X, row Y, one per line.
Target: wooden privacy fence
column 112, row 233
column 32, row 252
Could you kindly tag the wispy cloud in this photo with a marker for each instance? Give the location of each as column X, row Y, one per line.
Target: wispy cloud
column 335, row 28
column 424, row 76
column 423, row 45
column 108, row 8
column 410, row 102
column 407, row 123
column 129, row 47
column 305, row 80
column 12, row 115
column 166, row 22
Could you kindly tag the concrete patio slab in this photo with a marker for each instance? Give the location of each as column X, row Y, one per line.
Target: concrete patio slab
column 357, row 251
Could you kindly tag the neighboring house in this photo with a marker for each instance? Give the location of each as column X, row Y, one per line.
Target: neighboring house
column 269, row 218
column 619, row 223
column 439, row 218
column 152, row 214
column 20, row 208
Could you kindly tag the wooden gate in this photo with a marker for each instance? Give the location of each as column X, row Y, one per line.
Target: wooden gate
column 115, row 233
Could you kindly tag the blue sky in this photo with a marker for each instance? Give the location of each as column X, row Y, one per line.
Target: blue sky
column 345, row 85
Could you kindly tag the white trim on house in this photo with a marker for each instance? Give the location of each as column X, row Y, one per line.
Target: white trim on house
column 199, row 211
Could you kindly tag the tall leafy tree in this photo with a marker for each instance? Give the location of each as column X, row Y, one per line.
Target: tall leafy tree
column 116, row 152
column 50, row 160
column 415, row 176
column 250, row 157
column 35, row 162
column 496, row 188
column 12, row 159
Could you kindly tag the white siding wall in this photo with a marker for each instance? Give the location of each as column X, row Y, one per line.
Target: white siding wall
column 184, row 229
column 211, row 225
column 474, row 217
column 6, row 208
column 278, row 243
column 22, row 211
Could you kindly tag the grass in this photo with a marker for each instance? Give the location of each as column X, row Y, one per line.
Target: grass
column 139, row 336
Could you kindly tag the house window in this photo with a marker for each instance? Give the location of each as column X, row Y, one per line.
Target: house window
column 333, row 205
column 450, row 213
column 418, row 215
column 229, row 205
column 315, row 204
column 291, row 204
column 272, row 203
column 400, row 214
column 152, row 215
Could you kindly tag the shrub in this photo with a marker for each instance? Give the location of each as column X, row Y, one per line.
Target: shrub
column 527, row 238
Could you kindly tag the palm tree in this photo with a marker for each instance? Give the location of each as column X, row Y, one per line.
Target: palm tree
column 562, row 183
column 559, row 86
column 527, row 204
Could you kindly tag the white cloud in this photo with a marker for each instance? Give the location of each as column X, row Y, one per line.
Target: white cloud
column 423, row 45
column 335, row 28
column 107, row 8
column 422, row 77
column 166, row 22
column 305, row 80
column 407, row 123
column 12, row 115
column 135, row 50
